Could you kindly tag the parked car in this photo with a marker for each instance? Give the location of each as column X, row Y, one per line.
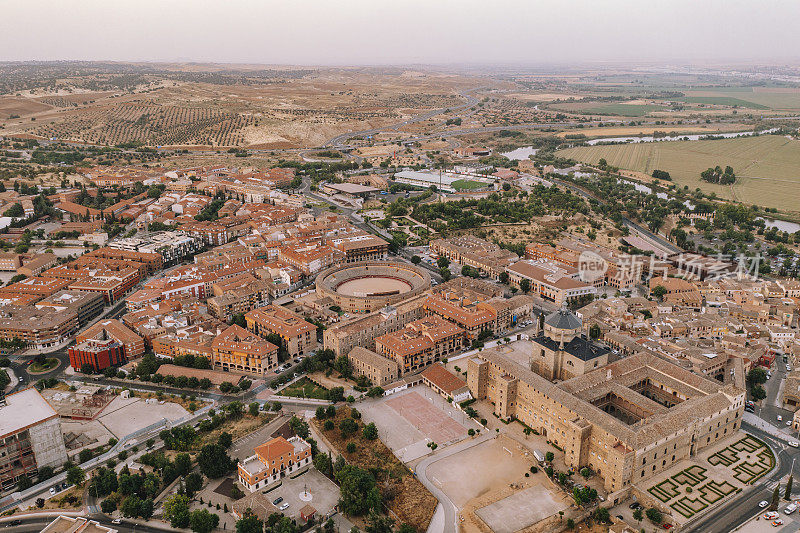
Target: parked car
column 116, row 521
column 763, row 503
column 15, row 522
column 277, row 500
column 794, row 444
column 284, row 506
column 635, row 505
column 780, row 418
column 770, row 515
column 790, row 508
column 52, row 491
column 777, row 522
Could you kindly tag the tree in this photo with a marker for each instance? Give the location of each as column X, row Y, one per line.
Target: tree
column 320, row 413
column 183, row 464
column 201, row 521
column 776, row 496
column 87, row 368
column 659, row 291
column 336, row 394
column 370, row 431
column 654, row 515
column 322, row 462
column 75, row 475
column 45, row 472
column 253, row 409
column 757, row 376
column 525, row 286
column 503, row 278
column 570, row 523
column 416, row 259
column 358, row 492
column 348, row 427
column 194, row 482
column 601, row 514
column 249, row 523
column 549, row 456
column 758, row 393
column 788, row 494
column 638, row 515
column 108, row 506
column 225, row 439
column 330, row 411
column 374, row 392
column 378, row 523
column 176, row 510
column 442, row 262
column 213, row 461
column 130, row 506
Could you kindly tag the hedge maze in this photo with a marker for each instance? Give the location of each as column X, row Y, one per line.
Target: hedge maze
column 749, row 458
column 694, row 498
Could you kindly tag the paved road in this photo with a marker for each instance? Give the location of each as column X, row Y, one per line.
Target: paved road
column 644, row 232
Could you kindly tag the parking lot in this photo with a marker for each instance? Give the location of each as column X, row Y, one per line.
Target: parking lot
column 323, row 493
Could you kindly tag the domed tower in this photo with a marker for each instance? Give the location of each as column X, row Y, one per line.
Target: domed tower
column 561, row 351
column 562, row 326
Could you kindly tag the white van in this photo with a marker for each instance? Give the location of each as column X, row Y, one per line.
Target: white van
column 792, row 507
column 539, row 456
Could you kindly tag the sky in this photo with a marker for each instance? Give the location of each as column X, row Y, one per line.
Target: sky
column 386, row 32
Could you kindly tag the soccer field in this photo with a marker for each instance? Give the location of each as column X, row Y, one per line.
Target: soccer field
column 767, row 167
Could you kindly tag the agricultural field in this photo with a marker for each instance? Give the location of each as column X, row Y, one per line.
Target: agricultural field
column 767, row 167
column 231, row 108
column 759, row 98
column 637, row 109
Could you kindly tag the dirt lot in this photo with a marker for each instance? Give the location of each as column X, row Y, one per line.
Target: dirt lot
column 487, row 466
column 412, row 502
column 126, row 415
column 498, row 496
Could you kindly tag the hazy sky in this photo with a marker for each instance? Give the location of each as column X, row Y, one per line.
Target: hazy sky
column 350, row 32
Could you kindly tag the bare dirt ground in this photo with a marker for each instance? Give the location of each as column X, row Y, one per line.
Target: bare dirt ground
column 498, row 496
column 126, row 415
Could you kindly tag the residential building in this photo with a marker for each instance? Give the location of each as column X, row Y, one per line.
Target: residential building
column 298, row 336
column 377, row 368
column 485, row 256
column 421, row 343
column 30, row 437
column 272, row 461
column 239, row 350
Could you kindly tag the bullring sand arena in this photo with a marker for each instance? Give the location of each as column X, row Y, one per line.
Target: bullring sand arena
column 368, row 286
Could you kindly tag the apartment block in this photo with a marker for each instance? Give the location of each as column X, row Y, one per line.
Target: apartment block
column 30, row 437
column 298, row 336
column 421, row 343
column 239, row 350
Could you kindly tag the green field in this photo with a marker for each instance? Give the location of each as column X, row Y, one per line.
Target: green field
column 785, row 99
column 305, row 388
column 464, row 185
column 625, row 110
column 722, row 100
column 767, row 167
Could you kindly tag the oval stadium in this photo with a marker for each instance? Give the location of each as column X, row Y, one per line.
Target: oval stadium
column 370, row 285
